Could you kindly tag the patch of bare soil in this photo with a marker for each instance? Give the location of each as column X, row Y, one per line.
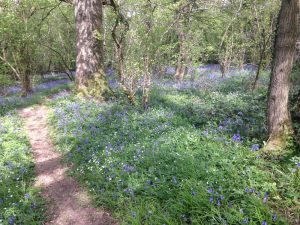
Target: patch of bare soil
column 67, row 202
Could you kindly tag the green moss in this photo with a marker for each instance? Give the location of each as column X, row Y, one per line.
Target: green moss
column 280, row 144
column 97, row 87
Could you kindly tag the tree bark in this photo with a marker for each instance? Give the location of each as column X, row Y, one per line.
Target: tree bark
column 90, row 77
column 183, row 23
column 278, row 115
column 260, row 64
column 26, row 84
column 182, row 59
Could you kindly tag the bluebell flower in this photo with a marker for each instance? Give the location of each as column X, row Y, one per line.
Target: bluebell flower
column 23, row 170
column 205, row 132
column 211, row 199
column 27, row 196
column 1, row 201
column 128, row 168
column 246, row 189
column 255, row 147
column 218, row 202
column 133, row 214
column 150, row 182
column 174, row 180
column 33, row 205
column 11, row 220
column 236, row 138
column 266, row 197
column 245, row 221
column 222, row 197
column 194, row 193
column 264, row 223
column 298, row 164
column 274, row 217
column 210, row 191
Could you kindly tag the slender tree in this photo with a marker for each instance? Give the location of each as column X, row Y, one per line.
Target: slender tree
column 183, row 15
column 278, row 114
column 90, row 77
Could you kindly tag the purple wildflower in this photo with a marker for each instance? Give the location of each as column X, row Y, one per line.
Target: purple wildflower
column 27, row 196
column 11, row 220
column 245, row 221
column 236, row 138
column 264, row 223
column 266, row 197
column 255, row 147
column 128, row 168
column 210, row 191
column 133, row 214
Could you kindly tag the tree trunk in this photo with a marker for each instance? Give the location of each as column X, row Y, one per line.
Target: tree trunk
column 260, row 64
column 90, row 77
column 26, row 84
column 224, row 67
column 146, row 83
column 182, row 59
column 278, row 114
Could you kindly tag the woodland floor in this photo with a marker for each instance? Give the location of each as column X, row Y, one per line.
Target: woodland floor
column 68, row 203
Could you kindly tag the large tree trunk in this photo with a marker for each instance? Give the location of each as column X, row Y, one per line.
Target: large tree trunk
column 278, row 115
column 90, row 77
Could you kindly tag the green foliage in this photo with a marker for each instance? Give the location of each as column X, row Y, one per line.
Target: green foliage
column 35, row 37
column 19, row 202
column 192, row 158
column 11, row 103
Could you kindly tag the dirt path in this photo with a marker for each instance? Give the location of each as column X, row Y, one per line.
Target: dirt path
column 69, row 204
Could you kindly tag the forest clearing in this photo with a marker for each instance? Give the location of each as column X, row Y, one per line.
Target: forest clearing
column 155, row 112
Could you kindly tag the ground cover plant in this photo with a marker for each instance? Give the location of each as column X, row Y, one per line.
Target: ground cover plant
column 182, row 111
column 19, row 202
column 9, row 103
column 192, row 158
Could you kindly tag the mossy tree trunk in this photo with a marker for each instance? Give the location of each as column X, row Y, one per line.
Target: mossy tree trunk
column 278, row 114
column 90, row 77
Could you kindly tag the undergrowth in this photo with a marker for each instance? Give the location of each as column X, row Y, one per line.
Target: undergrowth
column 192, row 158
column 19, row 202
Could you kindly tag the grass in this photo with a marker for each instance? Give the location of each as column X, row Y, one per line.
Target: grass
column 19, row 202
column 192, row 158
